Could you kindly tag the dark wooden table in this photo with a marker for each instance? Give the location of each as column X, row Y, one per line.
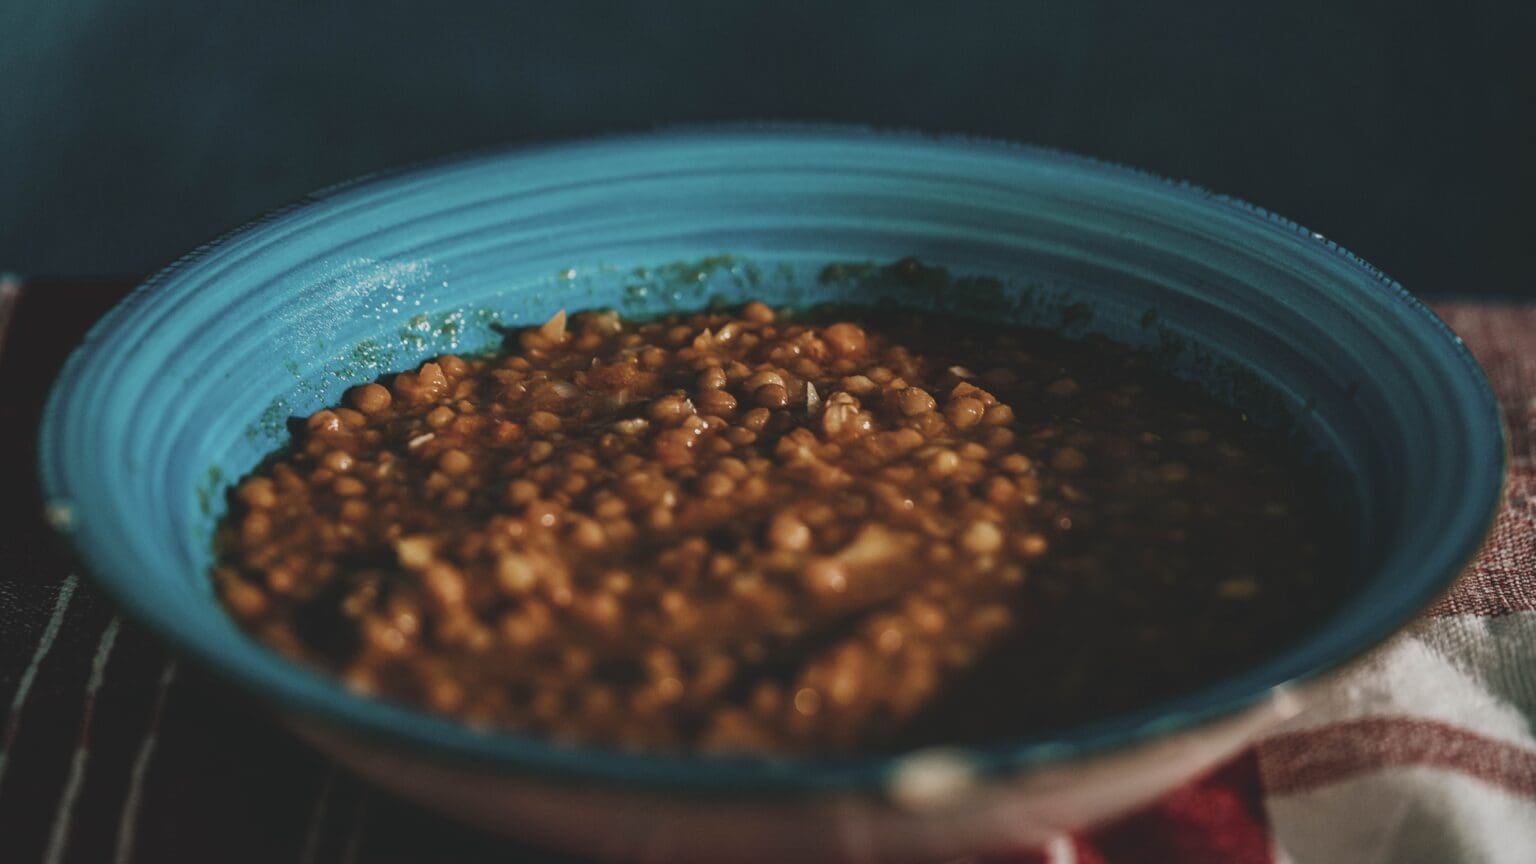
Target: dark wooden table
column 112, row 751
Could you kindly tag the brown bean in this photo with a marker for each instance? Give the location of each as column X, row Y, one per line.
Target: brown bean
column 772, row 396
column 369, row 398
column 914, row 401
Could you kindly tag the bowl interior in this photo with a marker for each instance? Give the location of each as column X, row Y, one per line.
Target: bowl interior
column 191, row 381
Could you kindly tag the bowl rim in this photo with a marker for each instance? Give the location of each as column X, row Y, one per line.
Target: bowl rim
column 294, row 688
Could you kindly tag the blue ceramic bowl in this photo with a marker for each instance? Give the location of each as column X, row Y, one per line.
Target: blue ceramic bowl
column 189, row 382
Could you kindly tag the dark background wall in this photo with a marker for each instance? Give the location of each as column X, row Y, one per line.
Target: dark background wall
column 133, row 131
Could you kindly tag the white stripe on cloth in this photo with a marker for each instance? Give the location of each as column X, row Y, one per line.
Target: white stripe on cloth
column 29, row 675
column 1405, row 816
column 1461, row 670
column 1425, row 751
column 317, row 818
column 1061, row 850
column 1496, row 653
column 128, row 820
column 1278, row 854
column 58, row 835
column 355, row 836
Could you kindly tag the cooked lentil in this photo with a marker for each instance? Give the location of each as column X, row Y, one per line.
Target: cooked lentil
column 758, row 531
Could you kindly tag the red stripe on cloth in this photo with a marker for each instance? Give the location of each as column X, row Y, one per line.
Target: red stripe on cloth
column 1218, row 819
column 1299, row 761
column 1503, row 339
column 1499, row 581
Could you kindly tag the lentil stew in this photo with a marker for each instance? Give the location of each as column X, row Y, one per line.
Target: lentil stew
column 768, row 531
